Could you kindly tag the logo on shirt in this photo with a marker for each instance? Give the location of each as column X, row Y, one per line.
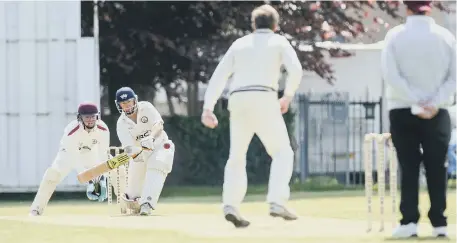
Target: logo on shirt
column 94, row 141
column 83, row 147
column 145, row 134
column 144, row 119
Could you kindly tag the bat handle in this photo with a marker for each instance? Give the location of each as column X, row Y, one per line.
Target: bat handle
column 142, row 149
column 136, row 155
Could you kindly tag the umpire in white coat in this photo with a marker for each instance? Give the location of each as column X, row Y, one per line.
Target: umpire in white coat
column 254, row 62
column 419, row 67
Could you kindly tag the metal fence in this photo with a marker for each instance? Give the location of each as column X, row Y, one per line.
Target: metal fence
column 331, row 128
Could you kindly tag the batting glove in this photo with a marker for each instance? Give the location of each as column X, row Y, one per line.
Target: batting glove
column 131, row 150
column 147, row 143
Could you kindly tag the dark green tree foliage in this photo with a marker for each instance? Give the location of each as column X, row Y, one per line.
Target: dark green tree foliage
column 148, row 43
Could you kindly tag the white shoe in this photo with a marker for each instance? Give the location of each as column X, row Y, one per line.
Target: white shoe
column 34, row 213
column 277, row 210
column 439, row 231
column 232, row 215
column 145, row 209
column 405, row 231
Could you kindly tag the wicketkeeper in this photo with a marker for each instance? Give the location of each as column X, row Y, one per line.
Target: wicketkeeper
column 84, row 144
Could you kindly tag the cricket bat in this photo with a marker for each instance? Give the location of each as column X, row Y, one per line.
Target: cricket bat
column 114, row 162
column 106, row 166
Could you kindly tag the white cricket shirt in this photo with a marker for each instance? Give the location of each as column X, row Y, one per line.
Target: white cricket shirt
column 255, row 59
column 419, row 64
column 77, row 141
column 130, row 133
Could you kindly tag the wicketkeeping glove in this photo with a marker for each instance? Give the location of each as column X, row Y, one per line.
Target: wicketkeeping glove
column 103, row 189
column 90, row 191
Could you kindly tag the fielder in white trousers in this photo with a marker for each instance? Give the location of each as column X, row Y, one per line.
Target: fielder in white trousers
column 254, row 63
column 257, row 112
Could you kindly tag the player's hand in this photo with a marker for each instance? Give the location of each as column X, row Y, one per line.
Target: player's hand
column 147, row 143
column 209, row 119
column 132, row 150
column 284, row 103
column 429, row 112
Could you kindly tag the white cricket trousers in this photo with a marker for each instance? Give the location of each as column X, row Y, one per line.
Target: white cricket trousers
column 257, row 112
column 147, row 174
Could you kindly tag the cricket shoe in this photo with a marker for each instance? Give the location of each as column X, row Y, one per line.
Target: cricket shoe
column 146, row 209
column 34, row 213
column 277, row 210
column 405, row 231
column 440, row 232
column 232, row 215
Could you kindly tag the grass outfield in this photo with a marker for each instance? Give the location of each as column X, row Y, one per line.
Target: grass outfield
column 325, row 217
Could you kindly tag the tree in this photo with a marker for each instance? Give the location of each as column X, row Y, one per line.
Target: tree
column 154, row 44
column 148, row 43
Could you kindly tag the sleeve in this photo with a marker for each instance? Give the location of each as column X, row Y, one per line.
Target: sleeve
column 391, row 74
column 104, row 144
column 293, row 67
column 154, row 113
column 69, row 140
column 449, row 85
column 124, row 136
column 219, row 79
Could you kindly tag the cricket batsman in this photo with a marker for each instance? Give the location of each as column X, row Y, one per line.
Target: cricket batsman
column 84, row 144
column 254, row 62
column 140, row 129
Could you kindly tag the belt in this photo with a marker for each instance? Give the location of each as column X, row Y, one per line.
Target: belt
column 260, row 88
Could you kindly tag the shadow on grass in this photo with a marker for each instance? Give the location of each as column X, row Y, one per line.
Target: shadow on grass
column 418, row 239
column 319, row 187
column 202, row 194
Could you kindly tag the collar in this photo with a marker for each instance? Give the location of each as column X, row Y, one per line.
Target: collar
column 83, row 127
column 419, row 19
column 263, row 31
column 127, row 119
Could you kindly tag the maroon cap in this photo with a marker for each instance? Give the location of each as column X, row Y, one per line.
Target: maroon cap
column 419, row 6
column 87, row 108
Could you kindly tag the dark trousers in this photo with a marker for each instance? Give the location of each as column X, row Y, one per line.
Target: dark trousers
column 409, row 133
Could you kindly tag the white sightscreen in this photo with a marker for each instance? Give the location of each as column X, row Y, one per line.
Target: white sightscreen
column 46, row 69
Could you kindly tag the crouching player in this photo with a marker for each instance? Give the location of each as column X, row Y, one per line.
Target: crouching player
column 141, row 126
column 84, row 144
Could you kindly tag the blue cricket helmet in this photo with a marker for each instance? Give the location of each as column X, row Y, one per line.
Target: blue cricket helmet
column 125, row 94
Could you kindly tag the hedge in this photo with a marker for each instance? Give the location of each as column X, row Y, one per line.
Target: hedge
column 201, row 153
